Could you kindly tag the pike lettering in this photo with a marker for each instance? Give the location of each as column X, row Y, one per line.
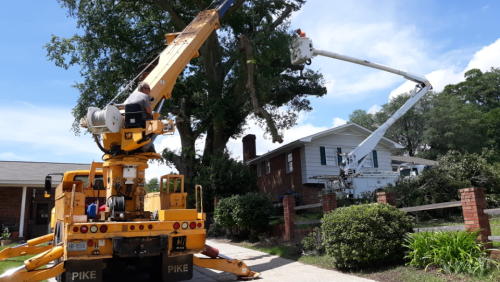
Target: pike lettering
column 178, row 268
column 84, row 275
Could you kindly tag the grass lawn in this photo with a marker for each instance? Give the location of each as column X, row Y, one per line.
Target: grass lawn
column 392, row 273
column 12, row 262
column 494, row 225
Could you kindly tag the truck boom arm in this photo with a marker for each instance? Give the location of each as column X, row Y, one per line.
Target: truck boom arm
column 181, row 50
column 302, row 52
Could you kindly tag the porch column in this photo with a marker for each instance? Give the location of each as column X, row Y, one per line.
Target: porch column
column 23, row 207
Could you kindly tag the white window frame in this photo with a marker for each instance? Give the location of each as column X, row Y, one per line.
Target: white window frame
column 289, row 162
column 268, row 167
column 259, row 169
column 331, row 159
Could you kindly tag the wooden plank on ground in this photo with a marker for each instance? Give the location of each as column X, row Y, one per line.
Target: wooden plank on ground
column 433, row 206
column 440, row 228
column 492, row 211
column 308, row 206
column 308, row 222
column 494, row 238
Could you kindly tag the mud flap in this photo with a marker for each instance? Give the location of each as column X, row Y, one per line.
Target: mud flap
column 177, row 268
column 83, row 270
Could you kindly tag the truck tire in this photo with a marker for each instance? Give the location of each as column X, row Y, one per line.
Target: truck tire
column 155, row 271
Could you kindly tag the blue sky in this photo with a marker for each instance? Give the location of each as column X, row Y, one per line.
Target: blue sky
column 439, row 39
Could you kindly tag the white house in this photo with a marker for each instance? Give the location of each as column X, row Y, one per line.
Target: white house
column 293, row 166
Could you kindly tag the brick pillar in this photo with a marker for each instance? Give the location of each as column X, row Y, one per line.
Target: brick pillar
column 473, row 205
column 290, row 216
column 386, row 198
column 216, row 201
column 329, row 202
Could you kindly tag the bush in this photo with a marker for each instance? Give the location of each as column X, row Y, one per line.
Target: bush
column 216, row 230
column 313, row 243
column 365, row 235
column 244, row 214
column 442, row 183
column 222, row 176
column 452, row 251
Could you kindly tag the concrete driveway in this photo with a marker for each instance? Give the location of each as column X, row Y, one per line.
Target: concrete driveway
column 272, row 268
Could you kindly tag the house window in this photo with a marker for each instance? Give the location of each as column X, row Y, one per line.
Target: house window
column 289, row 162
column 259, row 170
column 268, row 167
column 329, row 156
column 371, row 159
column 368, row 160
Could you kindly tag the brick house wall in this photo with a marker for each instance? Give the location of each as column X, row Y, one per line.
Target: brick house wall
column 278, row 181
column 10, row 206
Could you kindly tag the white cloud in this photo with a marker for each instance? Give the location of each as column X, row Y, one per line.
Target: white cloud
column 11, row 156
column 484, row 59
column 265, row 145
column 374, row 109
column 338, row 122
column 43, row 131
column 382, row 40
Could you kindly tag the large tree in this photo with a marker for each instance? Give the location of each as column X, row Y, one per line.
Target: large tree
column 243, row 71
column 407, row 130
column 482, row 89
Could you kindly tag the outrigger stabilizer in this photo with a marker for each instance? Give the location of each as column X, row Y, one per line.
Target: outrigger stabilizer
column 32, row 269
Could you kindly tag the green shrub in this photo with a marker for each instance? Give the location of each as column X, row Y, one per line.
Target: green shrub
column 216, row 230
column 244, row 214
column 222, row 176
column 452, row 251
column 442, row 183
column 365, row 235
column 313, row 243
column 5, row 234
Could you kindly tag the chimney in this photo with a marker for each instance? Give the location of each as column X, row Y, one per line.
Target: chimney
column 249, row 147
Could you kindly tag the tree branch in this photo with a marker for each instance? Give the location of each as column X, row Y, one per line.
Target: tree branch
column 278, row 21
column 172, row 110
column 236, row 5
column 257, row 108
column 167, row 6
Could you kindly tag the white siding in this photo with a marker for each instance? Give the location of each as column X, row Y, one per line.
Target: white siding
column 347, row 140
column 303, row 166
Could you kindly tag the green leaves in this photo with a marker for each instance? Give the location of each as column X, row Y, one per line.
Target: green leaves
column 222, row 176
column 243, row 213
column 442, row 183
column 453, row 251
column 463, row 117
column 365, row 235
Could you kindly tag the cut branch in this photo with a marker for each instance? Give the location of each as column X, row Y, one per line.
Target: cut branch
column 257, row 108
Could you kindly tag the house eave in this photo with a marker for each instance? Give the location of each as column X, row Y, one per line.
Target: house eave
column 275, row 152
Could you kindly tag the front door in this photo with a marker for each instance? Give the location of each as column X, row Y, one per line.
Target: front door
column 42, row 218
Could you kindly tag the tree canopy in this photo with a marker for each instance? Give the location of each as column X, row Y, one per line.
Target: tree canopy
column 408, row 130
column 243, row 70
